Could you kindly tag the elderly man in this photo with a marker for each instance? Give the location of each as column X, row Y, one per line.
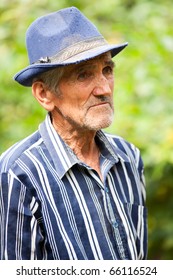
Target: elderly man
column 69, row 190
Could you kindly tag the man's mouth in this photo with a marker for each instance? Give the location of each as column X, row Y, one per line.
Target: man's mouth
column 100, row 104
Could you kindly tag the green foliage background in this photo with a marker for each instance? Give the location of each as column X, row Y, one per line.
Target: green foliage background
column 143, row 90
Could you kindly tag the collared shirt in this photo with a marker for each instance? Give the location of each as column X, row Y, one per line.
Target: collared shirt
column 53, row 206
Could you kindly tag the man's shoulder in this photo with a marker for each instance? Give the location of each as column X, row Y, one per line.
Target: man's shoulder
column 119, row 141
column 12, row 154
column 123, row 145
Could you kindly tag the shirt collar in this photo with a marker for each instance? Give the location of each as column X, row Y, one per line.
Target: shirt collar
column 64, row 158
column 109, row 148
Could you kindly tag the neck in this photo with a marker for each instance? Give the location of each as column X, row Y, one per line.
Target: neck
column 82, row 142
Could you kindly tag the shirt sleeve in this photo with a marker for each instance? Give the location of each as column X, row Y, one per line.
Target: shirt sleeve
column 20, row 233
column 142, row 229
column 140, row 168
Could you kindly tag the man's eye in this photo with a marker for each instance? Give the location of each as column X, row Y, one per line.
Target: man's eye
column 83, row 76
column 108, row 70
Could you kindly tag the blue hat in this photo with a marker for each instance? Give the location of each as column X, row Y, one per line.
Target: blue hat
column 61, row 38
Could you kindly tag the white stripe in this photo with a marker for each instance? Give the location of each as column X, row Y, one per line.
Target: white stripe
column 33, row 239
column 10, row 186
column 140, row 230
column 33, row 207
column 128, row 184
column 20, row 220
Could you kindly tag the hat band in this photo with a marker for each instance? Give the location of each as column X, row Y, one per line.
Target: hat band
column 74, row 50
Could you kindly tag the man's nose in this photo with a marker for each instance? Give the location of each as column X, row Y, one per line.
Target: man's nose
column 102, row 85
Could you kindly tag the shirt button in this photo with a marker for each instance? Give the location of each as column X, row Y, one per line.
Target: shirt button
column 106, row 190
column 115, row 224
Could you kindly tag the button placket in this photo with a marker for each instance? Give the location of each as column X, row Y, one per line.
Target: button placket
column 115, row 226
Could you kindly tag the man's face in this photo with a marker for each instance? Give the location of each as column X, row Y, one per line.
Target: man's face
column 86, row 95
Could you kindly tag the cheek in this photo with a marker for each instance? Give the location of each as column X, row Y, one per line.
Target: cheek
column 74, row 96
column 71, row 107
column 112, row 80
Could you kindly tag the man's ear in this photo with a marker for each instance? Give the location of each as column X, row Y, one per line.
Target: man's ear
column 43, row 95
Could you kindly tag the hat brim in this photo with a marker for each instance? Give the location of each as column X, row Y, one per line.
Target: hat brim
column 25, row 76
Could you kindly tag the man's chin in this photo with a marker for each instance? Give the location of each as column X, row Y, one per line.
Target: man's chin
column 97, row 124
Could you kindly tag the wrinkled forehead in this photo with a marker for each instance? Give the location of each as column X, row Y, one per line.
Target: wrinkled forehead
column 104, row 58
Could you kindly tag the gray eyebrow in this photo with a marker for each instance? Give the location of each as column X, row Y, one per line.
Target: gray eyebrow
column 110, row 63
column 88, row 65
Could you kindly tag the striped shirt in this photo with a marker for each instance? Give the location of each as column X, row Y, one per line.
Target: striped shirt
column 53, row 206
